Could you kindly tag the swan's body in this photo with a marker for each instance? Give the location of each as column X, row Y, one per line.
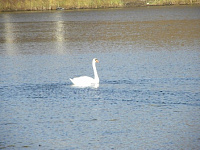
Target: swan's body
column 85, row 80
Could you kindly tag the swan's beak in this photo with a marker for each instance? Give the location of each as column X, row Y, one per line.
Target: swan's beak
column 97, row 61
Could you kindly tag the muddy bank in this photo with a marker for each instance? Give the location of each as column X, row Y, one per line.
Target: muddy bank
column 39, row 5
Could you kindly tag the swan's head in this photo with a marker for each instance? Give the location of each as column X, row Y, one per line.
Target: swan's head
column 96, row 60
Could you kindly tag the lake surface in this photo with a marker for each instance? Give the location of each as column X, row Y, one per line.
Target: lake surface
column 149, row 70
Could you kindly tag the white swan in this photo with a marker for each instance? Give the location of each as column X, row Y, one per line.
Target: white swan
column 85, row 81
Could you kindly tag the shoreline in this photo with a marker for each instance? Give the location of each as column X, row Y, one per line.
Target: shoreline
column 7, row 7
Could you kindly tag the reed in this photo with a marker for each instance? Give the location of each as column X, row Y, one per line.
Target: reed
column 12, row 5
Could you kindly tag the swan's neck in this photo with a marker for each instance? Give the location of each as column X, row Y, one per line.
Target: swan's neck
column 96, row 77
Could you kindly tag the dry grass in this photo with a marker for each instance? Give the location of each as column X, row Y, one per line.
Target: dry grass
column 12, row 5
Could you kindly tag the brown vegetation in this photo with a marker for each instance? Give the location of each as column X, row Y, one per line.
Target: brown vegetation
column 13, row 5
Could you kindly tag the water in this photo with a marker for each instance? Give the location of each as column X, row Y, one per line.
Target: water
column 148, row 97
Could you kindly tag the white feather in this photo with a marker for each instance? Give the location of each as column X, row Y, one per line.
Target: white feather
column 85, row 80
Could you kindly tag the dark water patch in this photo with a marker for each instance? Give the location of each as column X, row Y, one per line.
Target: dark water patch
column 37, row 91
column 119, row 82
column 8, row 123
column 144, row 90
column 26, row 146
column 149, row 95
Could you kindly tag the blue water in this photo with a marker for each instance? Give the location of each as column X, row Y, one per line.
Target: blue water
column 148, row 97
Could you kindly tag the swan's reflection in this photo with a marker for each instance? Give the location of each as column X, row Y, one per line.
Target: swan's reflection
column 86, row 86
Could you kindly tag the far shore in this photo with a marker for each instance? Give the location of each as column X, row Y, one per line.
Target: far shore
column 30, row 5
